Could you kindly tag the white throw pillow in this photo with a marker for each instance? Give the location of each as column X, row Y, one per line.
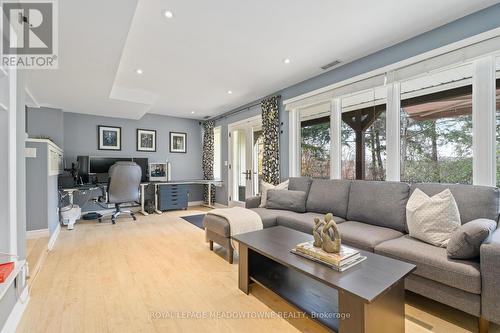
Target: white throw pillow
column 264, row 187
column 432, row 219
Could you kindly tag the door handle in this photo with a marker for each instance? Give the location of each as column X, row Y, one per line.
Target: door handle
column 248, row 174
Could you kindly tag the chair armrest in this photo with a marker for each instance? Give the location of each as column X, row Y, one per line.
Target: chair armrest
column 252, row 202
column 490, row 277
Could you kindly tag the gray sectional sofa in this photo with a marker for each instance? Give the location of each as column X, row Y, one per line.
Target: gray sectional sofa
column 371, row 215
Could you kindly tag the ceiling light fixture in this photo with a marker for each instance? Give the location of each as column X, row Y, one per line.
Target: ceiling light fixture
column 192, row 112
column 230, row 92
column 286, row 61
column 168, row 14
column 139, row 71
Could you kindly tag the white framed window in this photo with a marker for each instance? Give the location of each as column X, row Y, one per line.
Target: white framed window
column 217, row 152
column 436, row 121
column 315, row 141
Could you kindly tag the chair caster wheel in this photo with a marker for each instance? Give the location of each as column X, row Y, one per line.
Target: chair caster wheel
column 113, row 221
column 135, row 218
column 99, row 220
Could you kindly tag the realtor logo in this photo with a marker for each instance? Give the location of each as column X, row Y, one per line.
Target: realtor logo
column 29, row 34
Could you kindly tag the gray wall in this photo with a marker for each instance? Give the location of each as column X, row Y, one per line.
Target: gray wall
column 78, row 136
column 46, row 122
column 462, row 28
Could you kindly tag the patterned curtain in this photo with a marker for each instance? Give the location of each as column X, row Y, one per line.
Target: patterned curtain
column 271, row 130
column 208, row 157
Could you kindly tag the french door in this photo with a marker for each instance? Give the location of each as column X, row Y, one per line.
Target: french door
column 245, row 159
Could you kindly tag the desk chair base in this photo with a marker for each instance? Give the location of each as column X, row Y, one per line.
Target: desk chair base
column 119, row 212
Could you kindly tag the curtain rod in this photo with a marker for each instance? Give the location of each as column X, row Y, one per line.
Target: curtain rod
column 246, row 108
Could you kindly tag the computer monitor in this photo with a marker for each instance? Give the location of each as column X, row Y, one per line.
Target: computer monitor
column 83, row 168
column 102, row 164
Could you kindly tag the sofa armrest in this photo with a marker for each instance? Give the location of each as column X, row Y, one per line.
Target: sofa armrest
column 490, row 277
column 252, row 202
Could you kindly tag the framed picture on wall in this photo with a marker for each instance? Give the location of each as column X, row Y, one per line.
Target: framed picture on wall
column 109, row 137
column 146, row 140
column 178, row 142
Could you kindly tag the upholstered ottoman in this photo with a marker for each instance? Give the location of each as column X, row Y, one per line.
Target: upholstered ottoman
column 217, row 230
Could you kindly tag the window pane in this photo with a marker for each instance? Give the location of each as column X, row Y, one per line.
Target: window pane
column 436, row 127
column 258, row 157
column 315, row 142
column 363, row 135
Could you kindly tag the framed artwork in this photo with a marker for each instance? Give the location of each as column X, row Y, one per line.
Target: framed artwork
column 109, row 137
column 178, row 142
column 146, row 140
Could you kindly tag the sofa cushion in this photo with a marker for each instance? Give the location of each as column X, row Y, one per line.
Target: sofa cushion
column 432, row 219
column 365, row 236
column 302, row 222
column 300, row 184
column 287, row 200
column 379, row 203
column 433, row 263
column 329, row 196
column 466, row 241
column 264, row 187
column 268, row 216
column 473, row 201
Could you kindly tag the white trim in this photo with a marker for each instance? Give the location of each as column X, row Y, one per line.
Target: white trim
column 35, row 103
column 17, row 312
column 294, row 143
column 393, row 128
column 195, row 203
column 484, row 122
column 335, row 135
column 12, row 161
column 53, row 238
column 33, row 234
column 409, row 61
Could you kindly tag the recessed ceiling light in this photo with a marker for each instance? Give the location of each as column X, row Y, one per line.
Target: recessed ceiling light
column 286, row 61
column 139, row 71
column 192, row 112
column 229, row 92
column 168, row 14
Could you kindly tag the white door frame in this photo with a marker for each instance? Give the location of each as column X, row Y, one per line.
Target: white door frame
column 252, row 122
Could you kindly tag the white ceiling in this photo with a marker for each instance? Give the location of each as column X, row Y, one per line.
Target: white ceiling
column 189, row 62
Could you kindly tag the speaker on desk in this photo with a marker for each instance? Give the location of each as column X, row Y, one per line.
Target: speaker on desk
column 83, row 167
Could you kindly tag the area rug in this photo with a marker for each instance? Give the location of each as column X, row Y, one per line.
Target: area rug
column 197, row 220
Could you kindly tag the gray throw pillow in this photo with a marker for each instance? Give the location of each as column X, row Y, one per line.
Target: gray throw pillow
column 466, row 240
column 287, row 200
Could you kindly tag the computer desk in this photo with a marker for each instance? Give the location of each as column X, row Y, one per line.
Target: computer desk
column 177, row 182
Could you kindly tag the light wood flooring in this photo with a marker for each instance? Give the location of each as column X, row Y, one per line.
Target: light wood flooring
column 156, row 274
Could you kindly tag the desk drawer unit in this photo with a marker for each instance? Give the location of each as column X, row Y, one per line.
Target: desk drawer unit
column 171, row 197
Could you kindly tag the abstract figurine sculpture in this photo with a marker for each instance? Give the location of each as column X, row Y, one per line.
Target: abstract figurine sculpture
column 330, row 240
column 318, row 224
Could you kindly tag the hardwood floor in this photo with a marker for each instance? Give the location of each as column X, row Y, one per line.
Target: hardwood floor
column 158, row 275
column 36, row 250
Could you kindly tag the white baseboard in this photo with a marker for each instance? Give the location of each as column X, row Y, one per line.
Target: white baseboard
column 53, row 238
column 195, row 203
column 17, row 312
column 32, row 234
column 218, row 205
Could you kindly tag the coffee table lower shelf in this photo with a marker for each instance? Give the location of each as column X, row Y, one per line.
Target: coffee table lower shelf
column 335, row 309
column 315, row 299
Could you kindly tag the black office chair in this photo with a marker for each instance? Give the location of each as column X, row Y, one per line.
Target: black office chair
column 123, row 187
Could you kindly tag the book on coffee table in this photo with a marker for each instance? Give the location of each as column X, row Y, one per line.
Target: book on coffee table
column 346, row 265
column 338, row 259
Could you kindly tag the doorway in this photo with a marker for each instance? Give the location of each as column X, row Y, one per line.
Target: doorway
column 246, row 151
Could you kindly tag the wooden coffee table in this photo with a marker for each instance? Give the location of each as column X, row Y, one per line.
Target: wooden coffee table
column 368, row 297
